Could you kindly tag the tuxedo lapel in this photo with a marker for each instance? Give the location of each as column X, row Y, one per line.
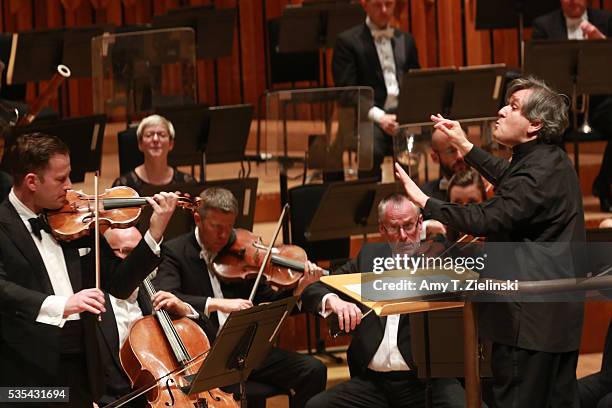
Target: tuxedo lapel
column 369, row 51
column 399, row 54
column 14, row 228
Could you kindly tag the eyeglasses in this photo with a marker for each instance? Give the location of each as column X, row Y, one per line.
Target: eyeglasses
column 150, row 133
column 395, row 229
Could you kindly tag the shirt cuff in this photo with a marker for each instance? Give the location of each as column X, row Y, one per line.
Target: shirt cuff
column 52, row 311
column 155, row 246
column 206, row 312
column 193, row 314
column 424, row 229
column 322, row 312
column 375, row 114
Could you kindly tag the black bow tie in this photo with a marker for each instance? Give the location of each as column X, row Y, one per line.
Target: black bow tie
column 39, row 223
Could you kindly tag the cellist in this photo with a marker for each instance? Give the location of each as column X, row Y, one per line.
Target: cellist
column 122, row 313
column 187, row 271
column 47, row 297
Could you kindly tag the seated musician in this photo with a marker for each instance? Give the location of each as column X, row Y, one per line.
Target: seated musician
column 379, row 356
column 120, row 314
column 450, row 161
column 155, row 140
column 465, row 187
column 187, row 271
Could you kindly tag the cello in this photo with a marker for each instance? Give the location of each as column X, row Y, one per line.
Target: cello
column 157, row 346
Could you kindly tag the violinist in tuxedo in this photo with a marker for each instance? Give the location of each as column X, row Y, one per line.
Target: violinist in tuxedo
column 187, row 270
column 48, row 299
column 121, row 314
column 380, row 361
column 377, row 55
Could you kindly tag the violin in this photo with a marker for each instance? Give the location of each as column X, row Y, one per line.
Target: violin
column 119, row 207
column 245, row 256
column 158, row 345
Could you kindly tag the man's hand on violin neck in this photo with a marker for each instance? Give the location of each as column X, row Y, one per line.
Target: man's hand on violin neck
column 349, row 315
column 228, row 305
column 88, row 300
column 312, row 273
column 163, row 205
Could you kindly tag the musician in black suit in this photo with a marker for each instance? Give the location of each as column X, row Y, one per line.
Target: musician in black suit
column 375, row 54
column 48, row 302
column 575, row 21
column 187, row 271
column 120, row 314
column 379, row 357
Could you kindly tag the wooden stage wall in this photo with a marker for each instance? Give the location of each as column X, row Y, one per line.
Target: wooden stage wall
column 444, row 31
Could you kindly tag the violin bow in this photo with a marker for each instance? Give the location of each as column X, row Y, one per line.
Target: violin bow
column 268, row 252
column 97, row 232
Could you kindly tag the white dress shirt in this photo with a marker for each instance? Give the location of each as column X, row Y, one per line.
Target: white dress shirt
column 386, row 58
column 208, row 257
column 573, row 27
column 126, row 311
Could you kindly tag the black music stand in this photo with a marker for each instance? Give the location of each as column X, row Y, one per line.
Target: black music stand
column 348, row 208
column 84, row 137
column 191, row 126
column 35, row 55
column 76, row 49
column 478, row 92
column 227, row 135
column 243, row 343
column 425, row 91
column 245, row 191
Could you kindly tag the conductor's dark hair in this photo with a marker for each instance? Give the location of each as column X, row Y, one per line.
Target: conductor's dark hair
column 543, row 105
column 31, row 154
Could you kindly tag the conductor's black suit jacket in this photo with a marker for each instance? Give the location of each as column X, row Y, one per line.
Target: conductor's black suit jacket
column 369, row 333
column 30, row 351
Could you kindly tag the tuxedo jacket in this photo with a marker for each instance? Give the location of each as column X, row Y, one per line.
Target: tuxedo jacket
column 552, row 26
column 117, row 382
column 185, row 274
column 30, row 351
column 355, row 60
column 369, row 333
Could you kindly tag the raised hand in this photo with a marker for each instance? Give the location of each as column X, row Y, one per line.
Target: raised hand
column 163, row 205
column 455, row 133
column 413, row 191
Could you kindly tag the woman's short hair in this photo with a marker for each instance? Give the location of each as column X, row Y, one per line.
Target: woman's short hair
column 154, row 120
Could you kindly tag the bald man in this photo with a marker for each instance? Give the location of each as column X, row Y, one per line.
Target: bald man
column 450, row 161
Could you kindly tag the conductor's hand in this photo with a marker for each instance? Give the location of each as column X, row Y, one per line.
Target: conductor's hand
column 312, row 273
column 591, row 32
column 163, row 205
column 388, row 123
column 170, row 303
column 456, row 135
column 413, row 191
column 87, row 300
column 349, row 315
column 228, row 305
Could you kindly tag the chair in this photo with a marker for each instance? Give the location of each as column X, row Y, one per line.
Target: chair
column 129, row 155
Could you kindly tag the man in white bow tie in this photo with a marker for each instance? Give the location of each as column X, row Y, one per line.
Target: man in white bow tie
column 377, row 55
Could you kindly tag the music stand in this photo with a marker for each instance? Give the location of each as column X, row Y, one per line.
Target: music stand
column 425, row 91
column 554, row 61
column 227, row 136
column 477, row 92
column 76, row 49
column 84, row 137
column 348, row 208
column 242, row 344
column 208, row 24
column 35, row 55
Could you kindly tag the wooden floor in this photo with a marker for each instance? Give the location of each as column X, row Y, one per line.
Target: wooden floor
column 269, row 208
